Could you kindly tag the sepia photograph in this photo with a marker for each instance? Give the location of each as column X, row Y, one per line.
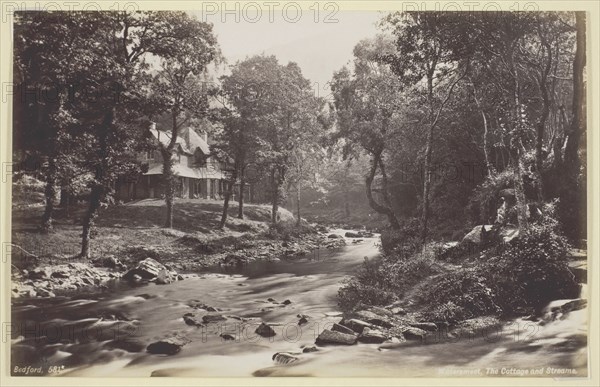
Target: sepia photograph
column 294, row 189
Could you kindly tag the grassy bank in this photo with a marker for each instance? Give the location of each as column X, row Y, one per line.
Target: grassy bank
column 134, row 224
column 450, row 283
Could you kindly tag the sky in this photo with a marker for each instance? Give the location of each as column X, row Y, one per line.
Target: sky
column 319, row 48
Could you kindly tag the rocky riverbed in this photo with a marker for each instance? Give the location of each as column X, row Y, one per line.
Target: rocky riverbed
column 276, row 318
column 41, row 277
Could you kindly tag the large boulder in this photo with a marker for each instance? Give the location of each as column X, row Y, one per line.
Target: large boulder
column 265, row 330
column 414, row 334
column 372, row 336
column 165, row 277
column 335, row 338
column 190, row 319
column 342, row 329
column 355, row 324
column 169, row 346
column 213, row 317
column 477, row 235
column 373, row 318
column 146, row 269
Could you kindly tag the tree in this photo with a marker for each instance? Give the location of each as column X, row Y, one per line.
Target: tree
column 572, row 193
column 309, row 154
column 51, row 52
column 423, row 52
column 119, row 52
column 179, row 90
column 292, row 113
column 271, row 105
column 240, row 111
column 368, row 106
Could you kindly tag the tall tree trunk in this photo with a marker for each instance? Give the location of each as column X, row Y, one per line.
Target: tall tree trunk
column 346, row 187
column 516, row 145
column 96, row 195
column 50, row 195
column 168, row 180
column 241, row 197
column 426, row 185
column 298, row 204
column 346, row 204
column 541, row 124
column 65, row 196
column 228, row 193
column 572, row 195
column 428, row 151
column 578, row 125
column 275, row 195
column 488, row 164
column 168, row 177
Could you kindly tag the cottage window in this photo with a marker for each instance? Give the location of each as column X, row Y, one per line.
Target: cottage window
column 199, row 158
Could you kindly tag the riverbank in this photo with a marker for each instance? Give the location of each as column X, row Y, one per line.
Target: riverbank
column 44, row 264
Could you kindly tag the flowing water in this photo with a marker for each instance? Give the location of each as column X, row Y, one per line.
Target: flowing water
column 74, row 336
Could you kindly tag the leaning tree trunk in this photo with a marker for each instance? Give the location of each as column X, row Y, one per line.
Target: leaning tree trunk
column 100, row 187
column 228, row 193
column 241, row 197
column 275, row 196
column 369, row 190
column 50, row 195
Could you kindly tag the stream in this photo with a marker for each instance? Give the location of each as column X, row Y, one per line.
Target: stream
column 72, row 336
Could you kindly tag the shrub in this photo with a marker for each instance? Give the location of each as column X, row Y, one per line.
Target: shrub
column 403, row 240
column 456, row 295
column 378, row 282
column 403, row 271
column 532, row 270
column 355, row 292
column 449, row 312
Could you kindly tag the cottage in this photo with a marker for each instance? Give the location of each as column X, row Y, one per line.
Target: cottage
column 198, row 173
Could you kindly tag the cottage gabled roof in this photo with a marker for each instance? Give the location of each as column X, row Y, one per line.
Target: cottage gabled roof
column 188, row 140
column 185, row 171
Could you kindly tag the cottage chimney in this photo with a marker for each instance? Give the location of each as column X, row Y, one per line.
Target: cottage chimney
column 205, row 136
column 152, row 125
